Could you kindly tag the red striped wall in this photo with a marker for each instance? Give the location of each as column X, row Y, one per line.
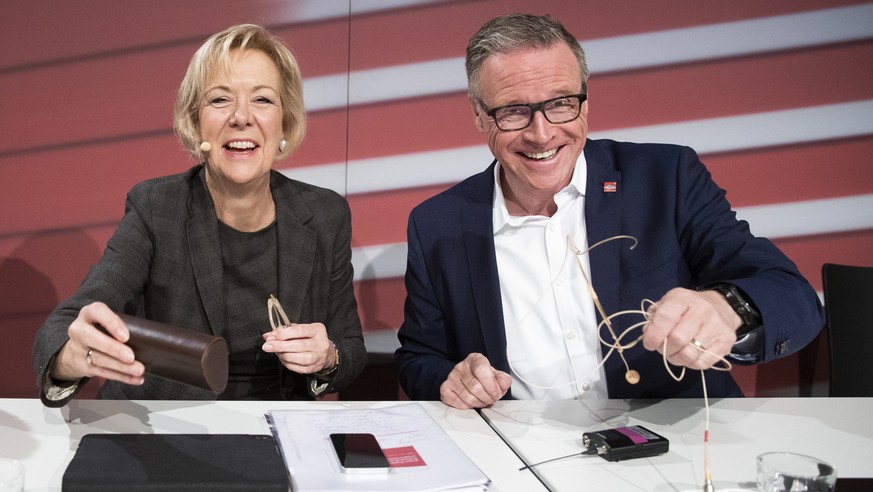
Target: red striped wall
column 88, row 87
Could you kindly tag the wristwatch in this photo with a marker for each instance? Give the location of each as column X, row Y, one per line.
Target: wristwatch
column 748, row 314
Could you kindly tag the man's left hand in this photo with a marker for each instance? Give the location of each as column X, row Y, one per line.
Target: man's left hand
column 683, row 316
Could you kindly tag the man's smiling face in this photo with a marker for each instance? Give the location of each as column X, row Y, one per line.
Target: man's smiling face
column 539, row 160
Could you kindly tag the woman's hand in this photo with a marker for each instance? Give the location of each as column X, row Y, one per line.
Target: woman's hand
column 302, row 348
column 92, row 352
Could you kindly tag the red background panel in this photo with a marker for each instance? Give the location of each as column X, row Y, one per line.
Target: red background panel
column 88, row 87
column 825, row 170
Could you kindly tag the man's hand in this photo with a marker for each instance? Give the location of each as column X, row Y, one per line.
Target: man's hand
column 684, row 315
column 473, row 383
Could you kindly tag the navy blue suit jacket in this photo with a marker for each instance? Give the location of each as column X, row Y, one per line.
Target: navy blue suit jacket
column 688, row 237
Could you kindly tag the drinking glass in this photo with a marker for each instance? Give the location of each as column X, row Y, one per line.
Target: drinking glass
column 791, row 472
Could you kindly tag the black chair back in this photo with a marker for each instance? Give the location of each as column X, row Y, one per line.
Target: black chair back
column 848, row 299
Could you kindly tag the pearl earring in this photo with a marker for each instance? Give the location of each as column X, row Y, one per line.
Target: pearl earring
column 282, row 144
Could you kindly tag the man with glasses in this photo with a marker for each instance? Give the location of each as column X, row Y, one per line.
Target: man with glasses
column 534, row 274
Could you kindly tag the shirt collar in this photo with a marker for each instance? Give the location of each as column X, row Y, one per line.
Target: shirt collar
column 500, row 215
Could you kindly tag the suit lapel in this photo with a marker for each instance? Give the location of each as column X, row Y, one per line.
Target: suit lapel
column 603, row 220
column 478, row 236
column 205, row 252
column 296, row 249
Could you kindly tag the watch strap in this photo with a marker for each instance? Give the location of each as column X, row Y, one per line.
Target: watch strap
column 751, row 318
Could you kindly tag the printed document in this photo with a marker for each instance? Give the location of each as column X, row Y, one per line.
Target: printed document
column 422, row 456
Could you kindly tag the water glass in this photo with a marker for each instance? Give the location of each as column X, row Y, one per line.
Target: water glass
column 791, row 472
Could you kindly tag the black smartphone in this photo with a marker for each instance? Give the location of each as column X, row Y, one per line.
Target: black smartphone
column 853, row 484
column 359, row 453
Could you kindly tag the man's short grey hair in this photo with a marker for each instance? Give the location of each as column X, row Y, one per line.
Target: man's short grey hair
column 515, row 32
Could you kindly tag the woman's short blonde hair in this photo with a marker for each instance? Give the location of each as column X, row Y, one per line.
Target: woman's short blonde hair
column 215, row 56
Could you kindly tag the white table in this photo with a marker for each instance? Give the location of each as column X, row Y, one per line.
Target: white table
column 45, row 439
column 837, row 430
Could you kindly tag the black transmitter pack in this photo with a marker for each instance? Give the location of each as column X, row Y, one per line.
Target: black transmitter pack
column 624, row 443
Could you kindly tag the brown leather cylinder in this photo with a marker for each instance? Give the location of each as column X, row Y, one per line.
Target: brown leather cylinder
column 186, row 356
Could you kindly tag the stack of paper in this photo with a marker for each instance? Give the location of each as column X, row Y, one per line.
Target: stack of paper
column 422, row 456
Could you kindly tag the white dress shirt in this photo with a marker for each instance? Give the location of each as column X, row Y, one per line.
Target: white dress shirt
column 552, row 344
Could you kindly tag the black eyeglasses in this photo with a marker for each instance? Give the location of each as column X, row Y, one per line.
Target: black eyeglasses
column 558, row 110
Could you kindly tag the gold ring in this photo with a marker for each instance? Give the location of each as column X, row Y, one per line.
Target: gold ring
column 697, row 344
column 88, row 357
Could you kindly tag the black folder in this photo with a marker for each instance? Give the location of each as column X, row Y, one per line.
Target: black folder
column 176, row 462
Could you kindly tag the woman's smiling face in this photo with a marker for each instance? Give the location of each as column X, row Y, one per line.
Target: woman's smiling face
column 241, row 117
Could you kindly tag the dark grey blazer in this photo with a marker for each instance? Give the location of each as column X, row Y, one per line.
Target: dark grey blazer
column 164, row 263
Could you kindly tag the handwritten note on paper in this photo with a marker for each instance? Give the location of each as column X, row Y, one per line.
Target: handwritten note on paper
column 422, row 455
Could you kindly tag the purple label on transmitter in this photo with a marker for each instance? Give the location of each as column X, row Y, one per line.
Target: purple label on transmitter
column 632, row 433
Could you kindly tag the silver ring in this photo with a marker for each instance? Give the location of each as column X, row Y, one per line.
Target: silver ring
column 697, row 344
column 88, row 357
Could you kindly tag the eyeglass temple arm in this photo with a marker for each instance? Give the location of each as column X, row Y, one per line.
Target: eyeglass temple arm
column 274, row 306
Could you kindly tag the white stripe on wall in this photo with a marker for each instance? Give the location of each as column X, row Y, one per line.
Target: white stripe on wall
column 825, row 216
column 732, row 133
column 756, row 130
column 611, row 54
column 782, row 220
column 379, row 261
column 318, row 10
column 761, row 35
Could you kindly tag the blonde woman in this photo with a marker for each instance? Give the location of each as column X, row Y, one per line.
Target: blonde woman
column 205, row 249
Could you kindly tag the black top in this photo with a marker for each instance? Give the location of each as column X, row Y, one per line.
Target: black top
column 249, row 260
